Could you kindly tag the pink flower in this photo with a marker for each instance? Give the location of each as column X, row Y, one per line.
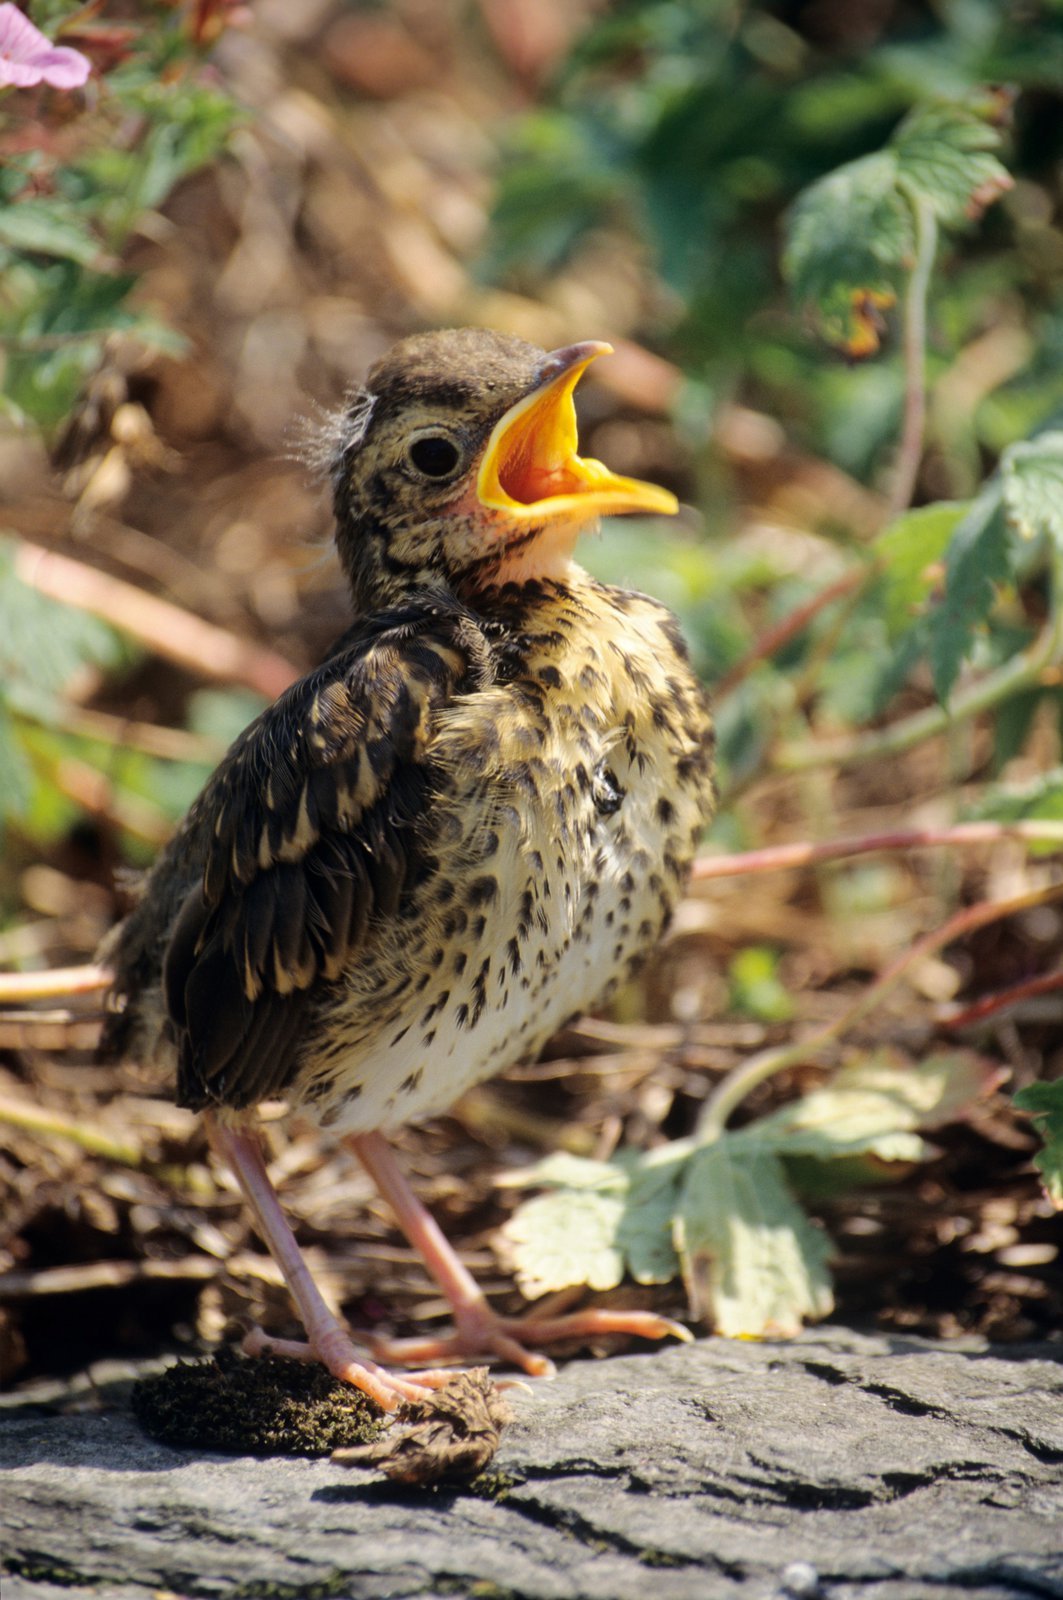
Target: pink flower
column 27, row 57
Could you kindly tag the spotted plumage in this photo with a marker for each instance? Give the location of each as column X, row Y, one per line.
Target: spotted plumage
column 473, row 819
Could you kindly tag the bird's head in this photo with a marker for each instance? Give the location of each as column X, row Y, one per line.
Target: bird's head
column 456, row 467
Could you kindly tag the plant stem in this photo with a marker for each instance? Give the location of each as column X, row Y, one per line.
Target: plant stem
column 33, row 1119
column 910, row 453
column 759, row 1068
column 16, row 988
column 774, row 638
column 785, row 857
column 988, row 1005
column 1021, row 672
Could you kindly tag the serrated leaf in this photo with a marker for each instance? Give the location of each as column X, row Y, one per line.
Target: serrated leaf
column 752, row 1261
column 910, row 550
column 1032, row 477
column 1043, row 1102
column 47, row 227
column 946, row 153
column 565, row 1238
column 979, row 557
column 847, row 237
column 851, row 235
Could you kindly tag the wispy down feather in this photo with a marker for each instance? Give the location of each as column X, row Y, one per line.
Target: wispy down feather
column 323, row 442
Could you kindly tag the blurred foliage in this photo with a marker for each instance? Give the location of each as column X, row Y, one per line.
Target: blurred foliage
column 744, row 148
column 79, row 174
column 1044, row 1103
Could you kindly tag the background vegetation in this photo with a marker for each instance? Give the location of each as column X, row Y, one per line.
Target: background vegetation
column 826, row 241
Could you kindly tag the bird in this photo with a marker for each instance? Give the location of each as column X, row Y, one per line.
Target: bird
column 464, row 827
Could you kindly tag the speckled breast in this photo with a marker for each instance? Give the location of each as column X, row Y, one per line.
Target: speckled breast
column 570, row 797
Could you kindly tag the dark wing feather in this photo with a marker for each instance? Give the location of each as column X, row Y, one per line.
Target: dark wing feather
column 307, row 832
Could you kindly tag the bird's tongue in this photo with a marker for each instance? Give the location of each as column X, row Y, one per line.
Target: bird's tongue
column 531, row 466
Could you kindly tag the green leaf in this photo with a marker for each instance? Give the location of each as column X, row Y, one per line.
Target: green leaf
column 564, row 1171
column 847, row 237
column 567, row 1237
column 850, row 236
column 724, row 1214
column 874, row 1106
column 48, row 227
column 42, row 641
column 1039, row 800
column 752, row 1261
column 16, row 778
column 979, row 558
column 1044, row 1104
column 1032, row 476
column 645, row 1231
column 945, row 153
column 910, row 549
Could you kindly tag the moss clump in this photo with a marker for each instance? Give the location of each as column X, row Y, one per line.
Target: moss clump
column 261, row 1406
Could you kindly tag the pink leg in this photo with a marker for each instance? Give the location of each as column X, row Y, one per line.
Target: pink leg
column 478, row 1329
column 328, row 1341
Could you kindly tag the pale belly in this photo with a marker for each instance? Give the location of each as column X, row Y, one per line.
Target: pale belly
column 559, row 855
column 548, row 943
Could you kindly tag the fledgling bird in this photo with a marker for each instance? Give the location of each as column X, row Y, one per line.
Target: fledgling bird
column 464, row 827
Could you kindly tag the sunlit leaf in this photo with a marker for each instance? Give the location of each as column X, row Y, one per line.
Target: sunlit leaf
column 566, row 1237
column 1032, row 475
column 946, row 153
column 874, row 1106
column 752, row 1262
column 564, row 1171
column 1044, row 1103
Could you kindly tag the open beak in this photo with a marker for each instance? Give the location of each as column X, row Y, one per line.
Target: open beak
column 530, row 467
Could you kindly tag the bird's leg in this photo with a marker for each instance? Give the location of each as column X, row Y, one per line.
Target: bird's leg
column 479, row 1331
column 328, row 1341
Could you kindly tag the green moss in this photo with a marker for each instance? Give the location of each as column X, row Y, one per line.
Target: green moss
column 493, row 1484
column 268, row 1405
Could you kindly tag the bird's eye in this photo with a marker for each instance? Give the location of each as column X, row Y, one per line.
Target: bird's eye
column 435, row 456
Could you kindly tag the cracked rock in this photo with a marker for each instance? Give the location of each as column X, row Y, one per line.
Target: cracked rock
column 837, row 1466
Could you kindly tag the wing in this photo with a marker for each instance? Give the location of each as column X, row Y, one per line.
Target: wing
column 308, row 831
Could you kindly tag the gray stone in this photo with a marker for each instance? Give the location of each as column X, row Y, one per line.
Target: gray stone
column 835, row 1467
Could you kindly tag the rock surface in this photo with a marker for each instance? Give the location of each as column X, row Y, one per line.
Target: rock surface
column 834, row 1467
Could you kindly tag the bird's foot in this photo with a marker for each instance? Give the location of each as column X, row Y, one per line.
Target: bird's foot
column 479, row 1332
column 335, row 1351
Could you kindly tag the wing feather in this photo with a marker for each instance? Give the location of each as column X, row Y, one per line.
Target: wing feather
column 309, row 832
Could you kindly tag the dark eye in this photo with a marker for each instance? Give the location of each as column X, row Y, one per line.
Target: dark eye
column 435, row 457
